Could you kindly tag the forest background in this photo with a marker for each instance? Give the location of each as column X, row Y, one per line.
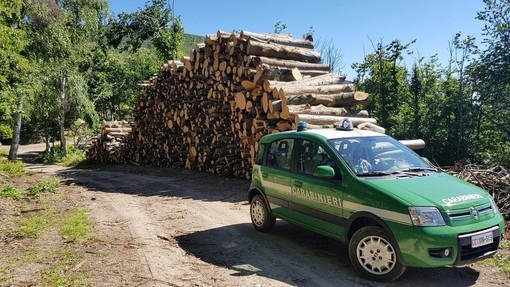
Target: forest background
column 66, row 65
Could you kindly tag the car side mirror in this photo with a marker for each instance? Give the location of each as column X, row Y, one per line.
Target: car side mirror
column 324, row 171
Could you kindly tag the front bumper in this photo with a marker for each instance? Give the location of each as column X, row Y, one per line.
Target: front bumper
column 422, row 246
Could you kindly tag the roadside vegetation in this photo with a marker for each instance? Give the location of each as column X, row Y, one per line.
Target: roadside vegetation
column 73, row 157
column 41, row 232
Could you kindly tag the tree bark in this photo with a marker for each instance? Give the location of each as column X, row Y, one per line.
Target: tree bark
column 327, row 120
column 283, row 52
column 260, row 60
column 300, row 89
column 322, row 80
column 281, row 39
column 13, row 151
column 63, row 144
column 330, row 100
column 316, row 110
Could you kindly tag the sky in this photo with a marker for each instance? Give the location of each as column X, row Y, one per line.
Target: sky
column 353, row 26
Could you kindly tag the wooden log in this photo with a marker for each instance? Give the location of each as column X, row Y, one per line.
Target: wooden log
column 371, row 127
column 283, row 52
column 317, row 110
column 187, row 63
column 240, row 100
column 328, row 120
column 107, row 130
column 326, row 79
column 414, row 144
column 330, row 100
column 283, row 39
column 248, row 85
column 275, row 73
column 299, row 89
column 260, row 60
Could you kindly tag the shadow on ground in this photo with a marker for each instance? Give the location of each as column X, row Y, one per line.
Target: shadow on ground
column 308, row 259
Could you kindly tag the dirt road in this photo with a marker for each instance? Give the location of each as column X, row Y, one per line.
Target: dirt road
column 166, row 227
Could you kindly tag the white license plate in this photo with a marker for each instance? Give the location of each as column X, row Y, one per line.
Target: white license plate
column 481, row 239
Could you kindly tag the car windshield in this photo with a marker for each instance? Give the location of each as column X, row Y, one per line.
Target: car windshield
column 378, row 155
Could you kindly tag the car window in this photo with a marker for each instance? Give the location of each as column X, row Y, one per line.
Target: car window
column 376, row 154
column 311, row 155
column 280, row 153
column 260, row 154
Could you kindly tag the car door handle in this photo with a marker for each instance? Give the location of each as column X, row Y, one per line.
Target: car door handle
column 265, row 174
column 298, row 183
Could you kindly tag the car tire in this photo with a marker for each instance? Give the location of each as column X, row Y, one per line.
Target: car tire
column 374, row 256
column 261, row 217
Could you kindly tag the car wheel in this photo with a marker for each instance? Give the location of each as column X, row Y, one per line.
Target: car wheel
column 374, row 256
column 261, row 217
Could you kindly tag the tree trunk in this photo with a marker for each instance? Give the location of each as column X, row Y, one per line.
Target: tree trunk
column 63, row 144
column 13, row 151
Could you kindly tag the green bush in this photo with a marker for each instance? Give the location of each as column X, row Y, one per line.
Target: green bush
column 44, row 186
column 54, row 156
column 74, row 159
column 11, row 192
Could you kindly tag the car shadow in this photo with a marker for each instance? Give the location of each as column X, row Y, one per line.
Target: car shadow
column 299, row 257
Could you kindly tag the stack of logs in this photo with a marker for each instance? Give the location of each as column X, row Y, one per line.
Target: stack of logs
column 108, row 145
column 209, row 110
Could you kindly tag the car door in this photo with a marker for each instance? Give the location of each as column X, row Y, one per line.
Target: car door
column 275, row 175
column 317, row 200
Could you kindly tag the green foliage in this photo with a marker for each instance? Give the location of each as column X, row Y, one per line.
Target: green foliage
column 491, row 85
column 383, row 77
column 12, row 168
column 34, row 226
column 189, row 43
column 279, row 27
column 59, row 273
column 73, row 156
column 130, row 30
column 11, row 192
column 115, row 83
column 77, row 226
column 169, row 41
column 501, row 259
column 49, row 185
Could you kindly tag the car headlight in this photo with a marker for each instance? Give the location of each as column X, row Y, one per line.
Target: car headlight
column 495, row 208
column 426, row 216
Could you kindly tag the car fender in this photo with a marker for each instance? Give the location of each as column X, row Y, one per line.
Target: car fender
column 363, row 218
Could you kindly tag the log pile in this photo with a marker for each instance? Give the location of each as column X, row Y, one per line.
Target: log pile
column 108, row 146
column 208, row 111
column 495, row 180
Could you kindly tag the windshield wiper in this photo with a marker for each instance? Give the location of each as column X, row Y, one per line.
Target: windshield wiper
column 417, row 169
column 376, row 173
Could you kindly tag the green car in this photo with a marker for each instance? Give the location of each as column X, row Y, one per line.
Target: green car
column 370, row 191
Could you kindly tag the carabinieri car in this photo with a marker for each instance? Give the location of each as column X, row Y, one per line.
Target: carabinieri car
column 390, row 206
